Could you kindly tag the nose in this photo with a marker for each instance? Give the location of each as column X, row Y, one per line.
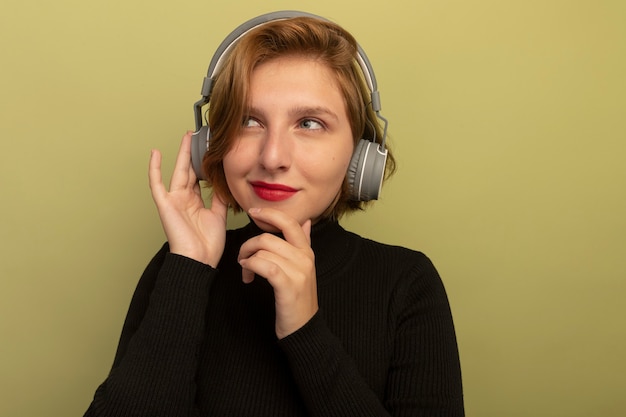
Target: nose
column 276, row 151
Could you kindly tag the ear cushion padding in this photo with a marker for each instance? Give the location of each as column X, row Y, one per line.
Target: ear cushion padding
column 366, row 171
column 355, row 169
column 199, row 146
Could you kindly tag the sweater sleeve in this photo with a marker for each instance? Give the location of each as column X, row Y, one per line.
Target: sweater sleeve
column 425, row 374
column 328, row 380
column 154, row 370
column 423, row 377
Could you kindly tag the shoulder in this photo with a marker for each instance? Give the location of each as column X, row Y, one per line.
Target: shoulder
column 407, row 270
column 337, row 248
column 393, row 257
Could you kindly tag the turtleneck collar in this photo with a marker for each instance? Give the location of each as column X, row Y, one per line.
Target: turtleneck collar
column 331, row 243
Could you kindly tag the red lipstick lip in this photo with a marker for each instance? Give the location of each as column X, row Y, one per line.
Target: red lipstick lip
column 272, row 192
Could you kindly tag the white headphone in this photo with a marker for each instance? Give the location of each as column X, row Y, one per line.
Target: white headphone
column 367, row 166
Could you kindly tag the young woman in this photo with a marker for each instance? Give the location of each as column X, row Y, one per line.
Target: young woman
column 291, row 315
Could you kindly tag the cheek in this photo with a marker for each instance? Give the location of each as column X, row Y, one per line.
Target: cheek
column 232, row 173
column 334, row 169
column 228, row 169
column 234, row 163
column 227, row 162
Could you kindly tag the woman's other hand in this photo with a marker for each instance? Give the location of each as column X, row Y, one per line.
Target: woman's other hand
column 288, row 265
column 191, row 229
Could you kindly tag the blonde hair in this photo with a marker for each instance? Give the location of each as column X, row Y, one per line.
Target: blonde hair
column 309, row 37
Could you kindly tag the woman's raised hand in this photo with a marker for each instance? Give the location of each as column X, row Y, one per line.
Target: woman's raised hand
column 191, row 229
column 288, row 265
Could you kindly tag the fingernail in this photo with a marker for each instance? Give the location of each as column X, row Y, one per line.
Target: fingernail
column 254, row 210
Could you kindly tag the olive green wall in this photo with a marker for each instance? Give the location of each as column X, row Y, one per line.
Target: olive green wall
column 508, row 120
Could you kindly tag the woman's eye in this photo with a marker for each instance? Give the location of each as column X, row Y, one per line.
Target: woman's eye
column 311, row 124
column 250, row 122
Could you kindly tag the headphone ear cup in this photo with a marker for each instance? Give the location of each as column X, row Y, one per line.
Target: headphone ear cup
column 366, row 171
column 199, row 146
column 353, row 169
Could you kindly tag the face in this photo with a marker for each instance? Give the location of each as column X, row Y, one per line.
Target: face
column 295, row 147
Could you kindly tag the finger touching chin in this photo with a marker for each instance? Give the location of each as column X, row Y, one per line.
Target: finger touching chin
column 266, row 227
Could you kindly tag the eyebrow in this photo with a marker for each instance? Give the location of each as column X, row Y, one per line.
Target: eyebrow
column 313, row 111
column 301, row 111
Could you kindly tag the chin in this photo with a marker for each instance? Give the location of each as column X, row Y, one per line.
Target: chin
column 266, row 227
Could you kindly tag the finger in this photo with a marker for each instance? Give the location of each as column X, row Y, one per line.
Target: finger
column 218, row 206
column 264, row 242
column 274, row 259
column 247, row 275
column 291, row 229
column 183, row 175
column 197, row 189
column 191, row 176
column 306, row 228
column 263, row 267
column 154, row 175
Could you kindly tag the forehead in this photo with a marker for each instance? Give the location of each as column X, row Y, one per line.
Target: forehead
column 297, row 64
column 294, row 78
